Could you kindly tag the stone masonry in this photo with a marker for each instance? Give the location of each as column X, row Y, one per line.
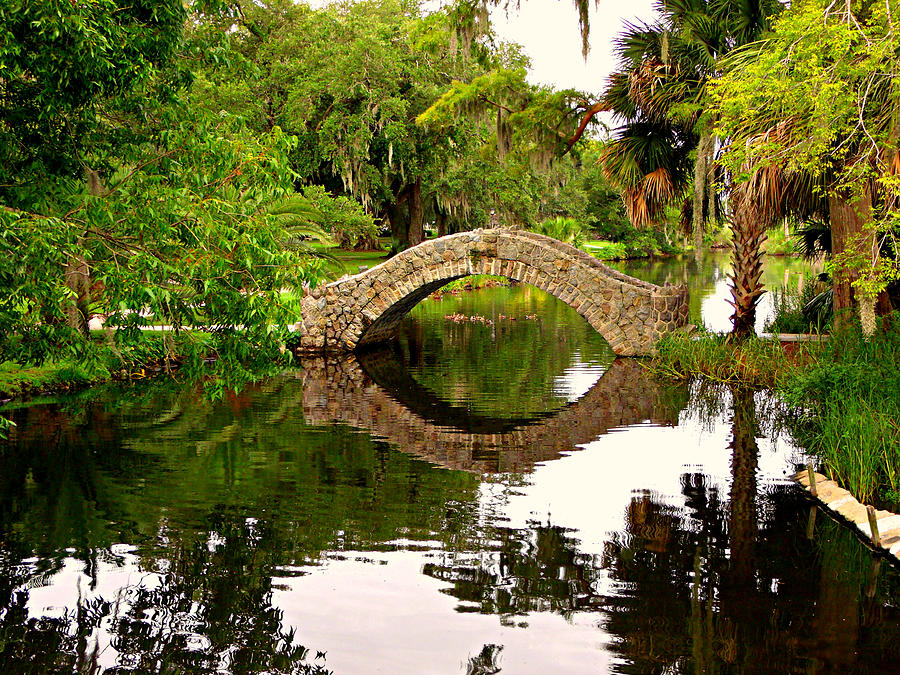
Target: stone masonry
column 365, row 309
column 358, row 392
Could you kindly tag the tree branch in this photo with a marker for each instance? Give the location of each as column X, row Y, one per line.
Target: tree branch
column 589, row 114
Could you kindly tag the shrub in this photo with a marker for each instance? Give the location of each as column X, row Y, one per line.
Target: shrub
column 344, row 218
column 848, row 404
column 567, row 230
column 800, row 311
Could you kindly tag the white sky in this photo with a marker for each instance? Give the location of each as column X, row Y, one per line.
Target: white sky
column 548, row 29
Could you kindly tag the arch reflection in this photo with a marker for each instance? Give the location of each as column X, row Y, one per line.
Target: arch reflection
column 374, row 393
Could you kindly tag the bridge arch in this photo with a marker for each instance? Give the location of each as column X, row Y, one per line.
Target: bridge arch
column 365, row 309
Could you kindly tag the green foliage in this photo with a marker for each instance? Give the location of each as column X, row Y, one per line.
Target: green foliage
column 849, row 406
column 188, row 241
column 567, row 230
column 349, row 81
column 62, row 62
column 816, row 102
column 779, row 243
column 608, row 250
column 799, row 311
column 633, row 243
column 343, row 217
column 756, row 363
column 138, row 204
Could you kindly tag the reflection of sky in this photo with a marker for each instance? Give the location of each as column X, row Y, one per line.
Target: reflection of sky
column 576, row 380
column 391, row 618
column 590, row 489
column 400, row 621
column 716, row 311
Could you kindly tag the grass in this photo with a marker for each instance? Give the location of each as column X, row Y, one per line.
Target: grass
column 104, row 364
column 848, row 410
column 471, row 283
column 18, row 380
column 754, row 362
column 348, row 262
column 606, row 250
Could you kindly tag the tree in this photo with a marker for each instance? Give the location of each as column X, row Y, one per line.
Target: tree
column 816, row 103
column 122, row 199
column 349, row 81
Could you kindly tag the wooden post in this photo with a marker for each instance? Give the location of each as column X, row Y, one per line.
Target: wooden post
column 811, row 523
column 812, row 480
column 873, row 525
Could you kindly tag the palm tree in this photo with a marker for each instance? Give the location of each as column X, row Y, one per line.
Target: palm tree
column 777, row 103
column 649, row 157
column 667, row 138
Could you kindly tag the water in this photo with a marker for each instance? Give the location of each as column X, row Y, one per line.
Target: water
column 480, row 498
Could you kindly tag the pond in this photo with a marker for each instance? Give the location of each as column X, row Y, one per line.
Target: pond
column 493, row 493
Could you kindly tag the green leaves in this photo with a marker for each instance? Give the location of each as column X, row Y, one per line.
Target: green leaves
column 124, row 201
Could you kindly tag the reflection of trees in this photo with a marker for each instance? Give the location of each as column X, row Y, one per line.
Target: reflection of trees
column 537, row 569
column 209, row 610
column 181, row 476
column 727, row 583
column 504, row 369
column 752, row 596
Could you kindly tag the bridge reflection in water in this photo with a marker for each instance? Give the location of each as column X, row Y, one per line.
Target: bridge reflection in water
column 375, row 392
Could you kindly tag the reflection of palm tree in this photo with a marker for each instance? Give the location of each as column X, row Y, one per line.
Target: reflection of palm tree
column 755, row 597
column 742, row 521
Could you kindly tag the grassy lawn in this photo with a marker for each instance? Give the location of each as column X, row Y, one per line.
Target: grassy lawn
column 349, row 262
column 605, row 250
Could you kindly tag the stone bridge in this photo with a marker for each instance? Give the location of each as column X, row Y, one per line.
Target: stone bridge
column 375, row 393
column 364, row 309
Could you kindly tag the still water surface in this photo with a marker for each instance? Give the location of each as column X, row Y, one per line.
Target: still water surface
column 492, row 494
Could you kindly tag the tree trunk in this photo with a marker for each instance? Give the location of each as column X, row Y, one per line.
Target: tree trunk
column 77, row 278
column 416, row 214
column 441, row 218
column 399, row 226
column 77, row 273
column 701, row 177
column 747, row 237
column 848, row 218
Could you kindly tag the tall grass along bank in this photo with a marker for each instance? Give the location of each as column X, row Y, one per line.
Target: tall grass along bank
column 847, row 406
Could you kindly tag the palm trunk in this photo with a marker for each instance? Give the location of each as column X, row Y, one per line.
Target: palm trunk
column 748, row 235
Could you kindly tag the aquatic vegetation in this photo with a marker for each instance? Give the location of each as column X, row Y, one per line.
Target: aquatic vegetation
column 848, row 410
column 842, row 395
column 716, row 357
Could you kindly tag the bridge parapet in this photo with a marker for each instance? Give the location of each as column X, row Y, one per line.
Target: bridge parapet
column 365, row 308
